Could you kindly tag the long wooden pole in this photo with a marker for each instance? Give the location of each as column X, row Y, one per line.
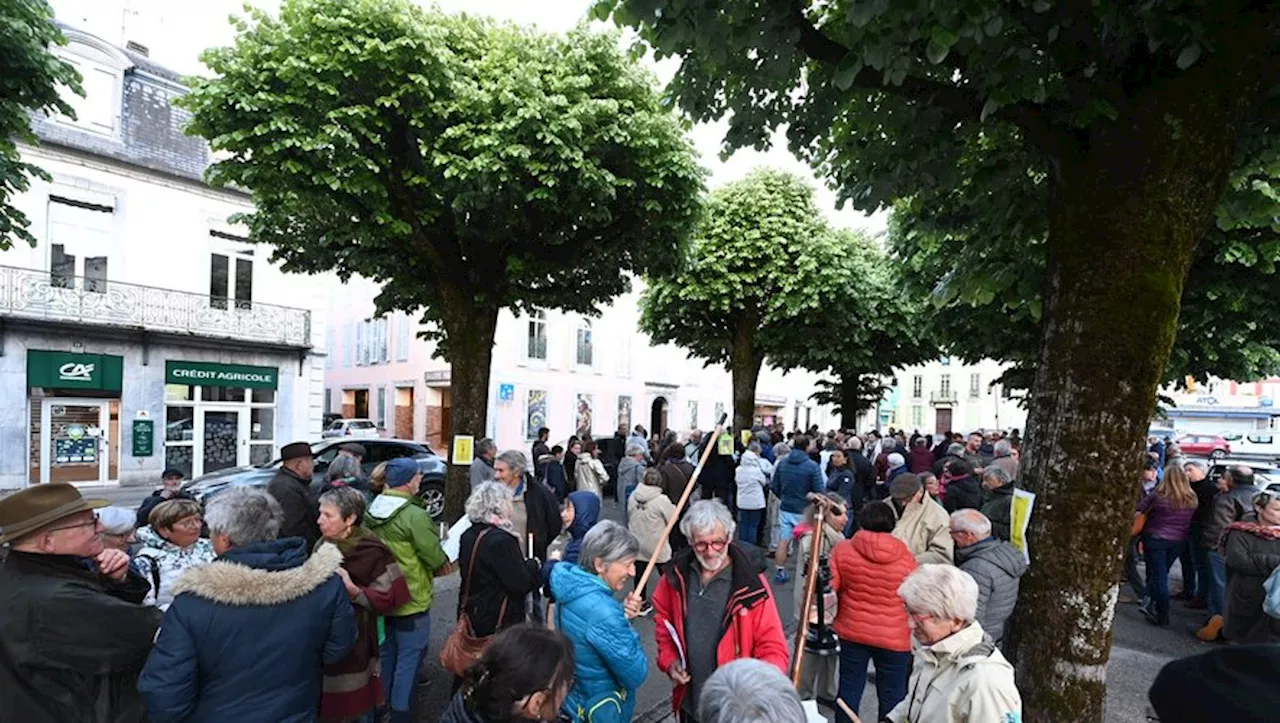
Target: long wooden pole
column 815, row 551
column 848, row 711
column 684, row 499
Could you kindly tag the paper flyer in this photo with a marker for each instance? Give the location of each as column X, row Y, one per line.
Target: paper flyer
column 1023, row 503
column 679, row 648
column 453, row 538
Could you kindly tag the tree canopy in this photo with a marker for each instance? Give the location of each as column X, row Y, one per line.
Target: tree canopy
column 1132, row 118
column 33, row 78
column 469, row 165
column 762, row 262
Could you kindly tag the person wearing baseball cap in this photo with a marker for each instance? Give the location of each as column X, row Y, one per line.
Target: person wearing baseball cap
column 291, row 486
column 170, row 489
column 399, row 518
column 73, row 636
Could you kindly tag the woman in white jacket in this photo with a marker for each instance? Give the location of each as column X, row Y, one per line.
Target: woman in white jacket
column 959, row 675
column 171, row 545
column 648, row 512
column 752, row 477
column 589, row 471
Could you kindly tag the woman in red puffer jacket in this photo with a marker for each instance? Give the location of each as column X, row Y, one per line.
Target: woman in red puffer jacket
column 870, row 619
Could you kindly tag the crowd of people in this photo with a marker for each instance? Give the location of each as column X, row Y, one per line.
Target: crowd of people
column 311, row 599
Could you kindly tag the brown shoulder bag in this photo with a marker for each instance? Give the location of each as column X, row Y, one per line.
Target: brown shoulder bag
column 463, row 648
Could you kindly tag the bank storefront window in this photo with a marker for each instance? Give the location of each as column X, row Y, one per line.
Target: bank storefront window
column 219, row 416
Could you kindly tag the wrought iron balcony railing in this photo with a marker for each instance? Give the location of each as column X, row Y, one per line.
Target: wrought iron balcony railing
column 943, row 396
column 35, row 294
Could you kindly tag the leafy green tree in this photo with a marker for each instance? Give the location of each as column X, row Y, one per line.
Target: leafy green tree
column 32, row 76
column 470, row 166
column 762, row 261
column 1135, row 113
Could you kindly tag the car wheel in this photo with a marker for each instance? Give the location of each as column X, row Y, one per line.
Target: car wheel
column 432, row 494
column 1218, row 453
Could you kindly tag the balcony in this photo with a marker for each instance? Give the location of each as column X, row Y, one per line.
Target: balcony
column 943, row 396
column 30, row 294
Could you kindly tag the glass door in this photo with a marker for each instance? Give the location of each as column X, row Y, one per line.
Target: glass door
column 76, row 438
column 222, row 441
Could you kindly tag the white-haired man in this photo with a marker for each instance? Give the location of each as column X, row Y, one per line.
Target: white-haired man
column 713, row 606
column 994, row 564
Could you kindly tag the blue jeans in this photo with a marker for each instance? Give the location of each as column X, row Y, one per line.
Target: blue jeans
column 1160, row 554
column 749, row 525
column 402, row 654
column 1218, row 590
column 892, row 670
column 1190, row 578
column 1204, row 575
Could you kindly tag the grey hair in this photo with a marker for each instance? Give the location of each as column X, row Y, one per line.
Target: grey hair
column 1004, row 447
column 781, row 449
column 996, row 473
column 633, row 449
column 245, row 515
column 749, row 691
column 973, row 521
column 485, row 446
column 1195, row 463
column 344, row 466
column 488, row 500
column 514, row 459
column 956, row 449
column 755, row 446
column 940, row 591
column 348, row 501
column 704, row 516
column 607, row 542
column 854, row 443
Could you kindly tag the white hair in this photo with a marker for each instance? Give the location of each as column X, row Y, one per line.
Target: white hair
column 633, row 449
column 996, row 473
column 704, row 516
column 1003, row 447
column 245, row 515
column 514, row 459
column 607, row 542
column 854, row 443
column 973, row 521
column 940, row 591
column 749, row 691
column 489, row 500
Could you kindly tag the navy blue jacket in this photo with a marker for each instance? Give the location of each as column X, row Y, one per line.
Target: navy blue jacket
column 794, row 478
column 586, row 513
column 247, row 635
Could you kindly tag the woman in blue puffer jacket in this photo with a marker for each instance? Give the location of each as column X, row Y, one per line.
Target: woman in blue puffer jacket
column 611, row 664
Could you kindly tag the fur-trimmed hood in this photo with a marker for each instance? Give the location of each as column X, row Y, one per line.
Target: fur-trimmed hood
column 262, row 574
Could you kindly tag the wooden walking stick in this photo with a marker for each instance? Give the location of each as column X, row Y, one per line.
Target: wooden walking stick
column 811, row 586
column 684, row 498
column 848, row 711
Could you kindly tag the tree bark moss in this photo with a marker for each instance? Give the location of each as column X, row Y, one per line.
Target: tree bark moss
column 471, row 330
column 744, row 367
column 1127, row 214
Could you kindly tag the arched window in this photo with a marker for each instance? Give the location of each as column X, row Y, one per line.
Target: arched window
column 584, row 354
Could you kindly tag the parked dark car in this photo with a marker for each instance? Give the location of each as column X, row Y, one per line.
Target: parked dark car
column 378, row 451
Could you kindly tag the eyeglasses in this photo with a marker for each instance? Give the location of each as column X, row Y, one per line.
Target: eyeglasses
column 717, row 545
column 194, row 522
column 92, row 522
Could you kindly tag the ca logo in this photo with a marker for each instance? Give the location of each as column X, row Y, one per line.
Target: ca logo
column 73, row 372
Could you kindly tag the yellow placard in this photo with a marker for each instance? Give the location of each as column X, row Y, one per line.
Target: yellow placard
column 746, row 437
column 1023, row 503
column 463, row 449
column 725, row 445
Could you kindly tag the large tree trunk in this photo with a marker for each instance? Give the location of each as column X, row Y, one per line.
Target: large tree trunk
column 470, row 331
column 744, row 366
column 849, row 401
column 1127, row 214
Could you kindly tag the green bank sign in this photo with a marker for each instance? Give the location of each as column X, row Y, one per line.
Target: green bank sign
column 64, row 370
column 220, row 375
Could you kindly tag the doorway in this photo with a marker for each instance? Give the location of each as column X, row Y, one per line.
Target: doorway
column 658, row 416
column 223, row 443
column 944, row 421
column 361, row 404
column 79, row 440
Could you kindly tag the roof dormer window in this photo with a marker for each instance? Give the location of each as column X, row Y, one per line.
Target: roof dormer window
column 101, row 67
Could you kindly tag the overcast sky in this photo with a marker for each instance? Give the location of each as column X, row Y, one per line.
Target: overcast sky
column 176, row 32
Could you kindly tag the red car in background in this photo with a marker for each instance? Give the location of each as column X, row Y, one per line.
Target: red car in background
column 1205, row 445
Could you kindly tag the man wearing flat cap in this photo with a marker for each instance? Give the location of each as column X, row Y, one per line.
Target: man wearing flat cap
column 73, row 634
column 291, row 486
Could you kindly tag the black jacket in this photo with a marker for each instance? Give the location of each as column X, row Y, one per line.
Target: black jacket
column 72, row 642
column 150, row 503
column 998, row 508
column 501, row 572
column 940, row 464
column 963, row 493
column 864, row 481
column 540, row 450
column 543, row 516
column 300, row 511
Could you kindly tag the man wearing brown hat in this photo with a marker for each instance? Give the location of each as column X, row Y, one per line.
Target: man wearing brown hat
column 73, row 636
column 291, row 486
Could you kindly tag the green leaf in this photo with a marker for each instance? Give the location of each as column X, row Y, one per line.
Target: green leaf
column 1188, row 56
column 847, row 71
column 936, row 53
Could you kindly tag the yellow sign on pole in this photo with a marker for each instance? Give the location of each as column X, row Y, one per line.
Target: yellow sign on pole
column 746, row 437
column 463, row 450
column 725, row 445
column 1023, row 503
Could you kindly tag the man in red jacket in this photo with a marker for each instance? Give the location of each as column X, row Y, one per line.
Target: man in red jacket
column 713, row 606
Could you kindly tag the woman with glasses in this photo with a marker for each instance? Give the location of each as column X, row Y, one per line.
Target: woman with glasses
column 611, row 664
column 524, row 675
column 171, row 545
column 866, row 572
column 958, row 675
column 1251, row 548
